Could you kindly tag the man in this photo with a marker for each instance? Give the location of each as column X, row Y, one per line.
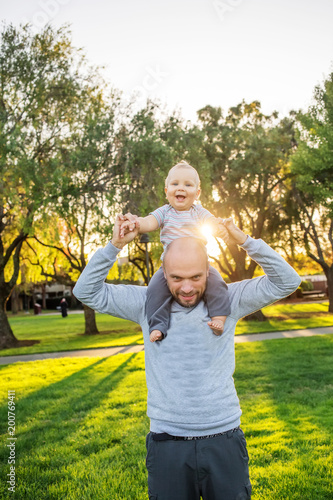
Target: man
column 195, row 446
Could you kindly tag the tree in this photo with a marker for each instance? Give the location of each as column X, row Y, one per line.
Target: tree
column 84, row 203
column 145, row 159
column 152, row 142
column 312, row 166
column 38, row 87
column 137, row 257
column 248, row 153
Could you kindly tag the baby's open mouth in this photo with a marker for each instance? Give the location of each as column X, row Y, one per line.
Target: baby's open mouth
column 180, row 197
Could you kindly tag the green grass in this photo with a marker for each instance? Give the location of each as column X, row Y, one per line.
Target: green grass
column 81, row 423
column 296, row 316
column 286, row 393
column 63, row 334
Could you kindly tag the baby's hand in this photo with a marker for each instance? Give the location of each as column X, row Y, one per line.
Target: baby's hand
column 130, row 223
column 222, row 231
column 126, row 227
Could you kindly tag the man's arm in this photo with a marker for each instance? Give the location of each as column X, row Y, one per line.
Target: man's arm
column 122, row 301
column 279, row 281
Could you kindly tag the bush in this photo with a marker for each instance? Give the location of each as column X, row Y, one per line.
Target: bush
column 307, row 286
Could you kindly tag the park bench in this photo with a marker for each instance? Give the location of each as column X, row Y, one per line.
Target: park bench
column 313, row 293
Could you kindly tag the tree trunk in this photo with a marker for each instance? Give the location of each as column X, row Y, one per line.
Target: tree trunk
column 14, row 300
column 329, row 276
column 7, row 338
column 256, row 316
column 74, row 301
column 90, row 321
column 43, row 296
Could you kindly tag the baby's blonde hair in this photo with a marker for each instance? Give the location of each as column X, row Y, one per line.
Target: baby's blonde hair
column 182, row 164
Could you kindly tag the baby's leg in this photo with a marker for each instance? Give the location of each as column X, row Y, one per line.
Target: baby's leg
column 217, row 299
column 158, row 306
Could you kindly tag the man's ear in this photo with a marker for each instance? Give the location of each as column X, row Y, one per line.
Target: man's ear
column 164, row 272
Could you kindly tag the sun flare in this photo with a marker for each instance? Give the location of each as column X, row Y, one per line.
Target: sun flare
column 212, row 246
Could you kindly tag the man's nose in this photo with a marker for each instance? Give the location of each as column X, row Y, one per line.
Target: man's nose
column 187, row 287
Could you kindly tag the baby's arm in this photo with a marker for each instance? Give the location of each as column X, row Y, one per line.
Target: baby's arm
column 145, row 224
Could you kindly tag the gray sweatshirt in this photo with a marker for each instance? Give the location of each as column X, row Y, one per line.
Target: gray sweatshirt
column 189, row 374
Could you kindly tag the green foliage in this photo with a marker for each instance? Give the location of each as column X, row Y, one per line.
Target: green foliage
column 38, row 88
column 58, row 170
column 306, row 285
column 311, row 203
column 152, row 143
column 145, row 160
column 248, row 154
column 312, row 162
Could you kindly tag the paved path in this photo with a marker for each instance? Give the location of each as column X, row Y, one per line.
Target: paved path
column 110, row 351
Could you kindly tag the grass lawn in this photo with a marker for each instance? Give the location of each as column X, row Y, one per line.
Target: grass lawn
column 63, row 334
column 293, row 316
column 81, row 423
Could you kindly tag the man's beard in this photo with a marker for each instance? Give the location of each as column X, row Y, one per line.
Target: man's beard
column 186, row 304
column 198, row 299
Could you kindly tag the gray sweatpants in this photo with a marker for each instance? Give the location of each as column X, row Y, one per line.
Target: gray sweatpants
column 159, row 299
column 213, row 468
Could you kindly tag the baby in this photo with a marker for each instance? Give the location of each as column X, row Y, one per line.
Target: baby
column 180, row 218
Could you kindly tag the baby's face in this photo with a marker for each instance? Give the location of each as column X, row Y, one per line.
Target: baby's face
column 182, row 188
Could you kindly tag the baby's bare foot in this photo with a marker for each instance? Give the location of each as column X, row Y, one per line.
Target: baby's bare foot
column 155, row 335
column 217, row 325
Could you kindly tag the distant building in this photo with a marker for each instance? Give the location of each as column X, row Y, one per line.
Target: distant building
column 319, row 281
column 53, row 290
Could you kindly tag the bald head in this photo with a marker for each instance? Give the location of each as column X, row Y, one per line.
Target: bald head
column 184, row 250
column 185, row 267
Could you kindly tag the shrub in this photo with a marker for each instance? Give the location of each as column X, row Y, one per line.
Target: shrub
column 306, row 286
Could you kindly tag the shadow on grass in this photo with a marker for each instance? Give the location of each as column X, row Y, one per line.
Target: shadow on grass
column 65, row 403
column 301, row 378
column 286, row 391
column 83, row 436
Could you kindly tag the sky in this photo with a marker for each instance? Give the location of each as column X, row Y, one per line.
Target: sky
column 190, row 53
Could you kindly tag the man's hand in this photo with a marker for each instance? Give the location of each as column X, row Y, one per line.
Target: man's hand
column 121, row 241
column 230, row 233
